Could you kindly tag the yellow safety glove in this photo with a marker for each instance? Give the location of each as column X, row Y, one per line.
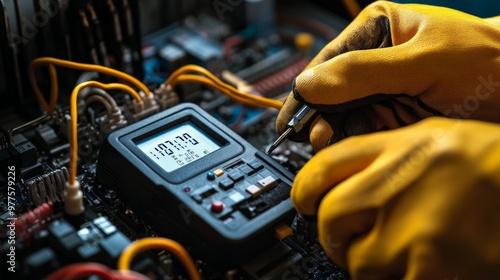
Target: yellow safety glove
column 419, row 202
column 396, row 64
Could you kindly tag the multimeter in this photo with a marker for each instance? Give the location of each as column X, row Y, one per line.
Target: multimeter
column 193, row 179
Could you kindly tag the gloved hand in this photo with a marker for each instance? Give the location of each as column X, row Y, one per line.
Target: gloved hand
column 396, row 64
column 419, row 202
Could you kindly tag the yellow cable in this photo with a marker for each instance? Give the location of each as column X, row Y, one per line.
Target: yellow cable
column 53, row 88
column 200, row 70
column 247, row 98
column 352, row 7
column 50, row 62
column 158, row 243
column 209, row 83
column 73, row 140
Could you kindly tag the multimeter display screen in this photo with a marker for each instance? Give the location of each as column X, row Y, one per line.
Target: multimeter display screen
column 178, row 146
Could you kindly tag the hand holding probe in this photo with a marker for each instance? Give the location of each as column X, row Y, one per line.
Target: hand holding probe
column 301, row 119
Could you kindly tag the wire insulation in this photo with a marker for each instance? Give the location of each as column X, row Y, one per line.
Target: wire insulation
column 74, row 118
column 180, row 75
column 158, row 243
column 244, row 98
column 80, row 270
column 51, row 62
column 102, row 100
column 103, row 94
column 85, row 270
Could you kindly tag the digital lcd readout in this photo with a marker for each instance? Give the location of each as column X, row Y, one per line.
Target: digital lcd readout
column 178, row 147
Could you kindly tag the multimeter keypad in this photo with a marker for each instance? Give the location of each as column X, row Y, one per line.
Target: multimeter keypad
column 241, row 182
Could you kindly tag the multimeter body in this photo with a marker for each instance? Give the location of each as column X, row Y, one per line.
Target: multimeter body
column 193, row 179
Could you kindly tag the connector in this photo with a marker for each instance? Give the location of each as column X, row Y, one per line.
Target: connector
column 114, row 121
column 149, row 101
column 236, row 81
column 147, row 108
column 136, row 107
column 73, row 199
column 166, row 96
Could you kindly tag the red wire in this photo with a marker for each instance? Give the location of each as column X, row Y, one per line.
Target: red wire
column 80, row 270
column 324, row 30
column 85, row 270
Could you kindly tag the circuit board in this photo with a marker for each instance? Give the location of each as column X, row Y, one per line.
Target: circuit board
column 256, row 54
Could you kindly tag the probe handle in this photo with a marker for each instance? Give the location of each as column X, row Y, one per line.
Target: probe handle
column 305, row 115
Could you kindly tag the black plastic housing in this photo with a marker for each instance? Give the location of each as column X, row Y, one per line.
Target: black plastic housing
column 165, row 199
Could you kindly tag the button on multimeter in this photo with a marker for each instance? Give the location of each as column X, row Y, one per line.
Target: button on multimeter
column 217, row 206
column 247, row 169
column 210, row 175
column 235, row 175
column 226, row 184
column 255, row 164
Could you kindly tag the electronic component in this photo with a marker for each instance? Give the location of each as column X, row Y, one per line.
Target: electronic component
column 220, row 196
column 202, row 51
column 185, row 173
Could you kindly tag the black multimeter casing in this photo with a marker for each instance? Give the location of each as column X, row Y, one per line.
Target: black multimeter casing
column 177, row 204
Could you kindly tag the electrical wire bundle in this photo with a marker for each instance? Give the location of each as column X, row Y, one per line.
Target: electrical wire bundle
column 208, row 79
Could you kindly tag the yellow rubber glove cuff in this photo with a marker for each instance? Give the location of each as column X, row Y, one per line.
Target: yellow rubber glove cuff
column 419, row 202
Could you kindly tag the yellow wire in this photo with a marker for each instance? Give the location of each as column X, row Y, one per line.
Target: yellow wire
column 73, row 140
column 352, row 7
column 50, row 62
column 214, row 82
column 203, row 71
column 208, row 82
column 158, row 243
column 247, row 99
column 53, row 88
